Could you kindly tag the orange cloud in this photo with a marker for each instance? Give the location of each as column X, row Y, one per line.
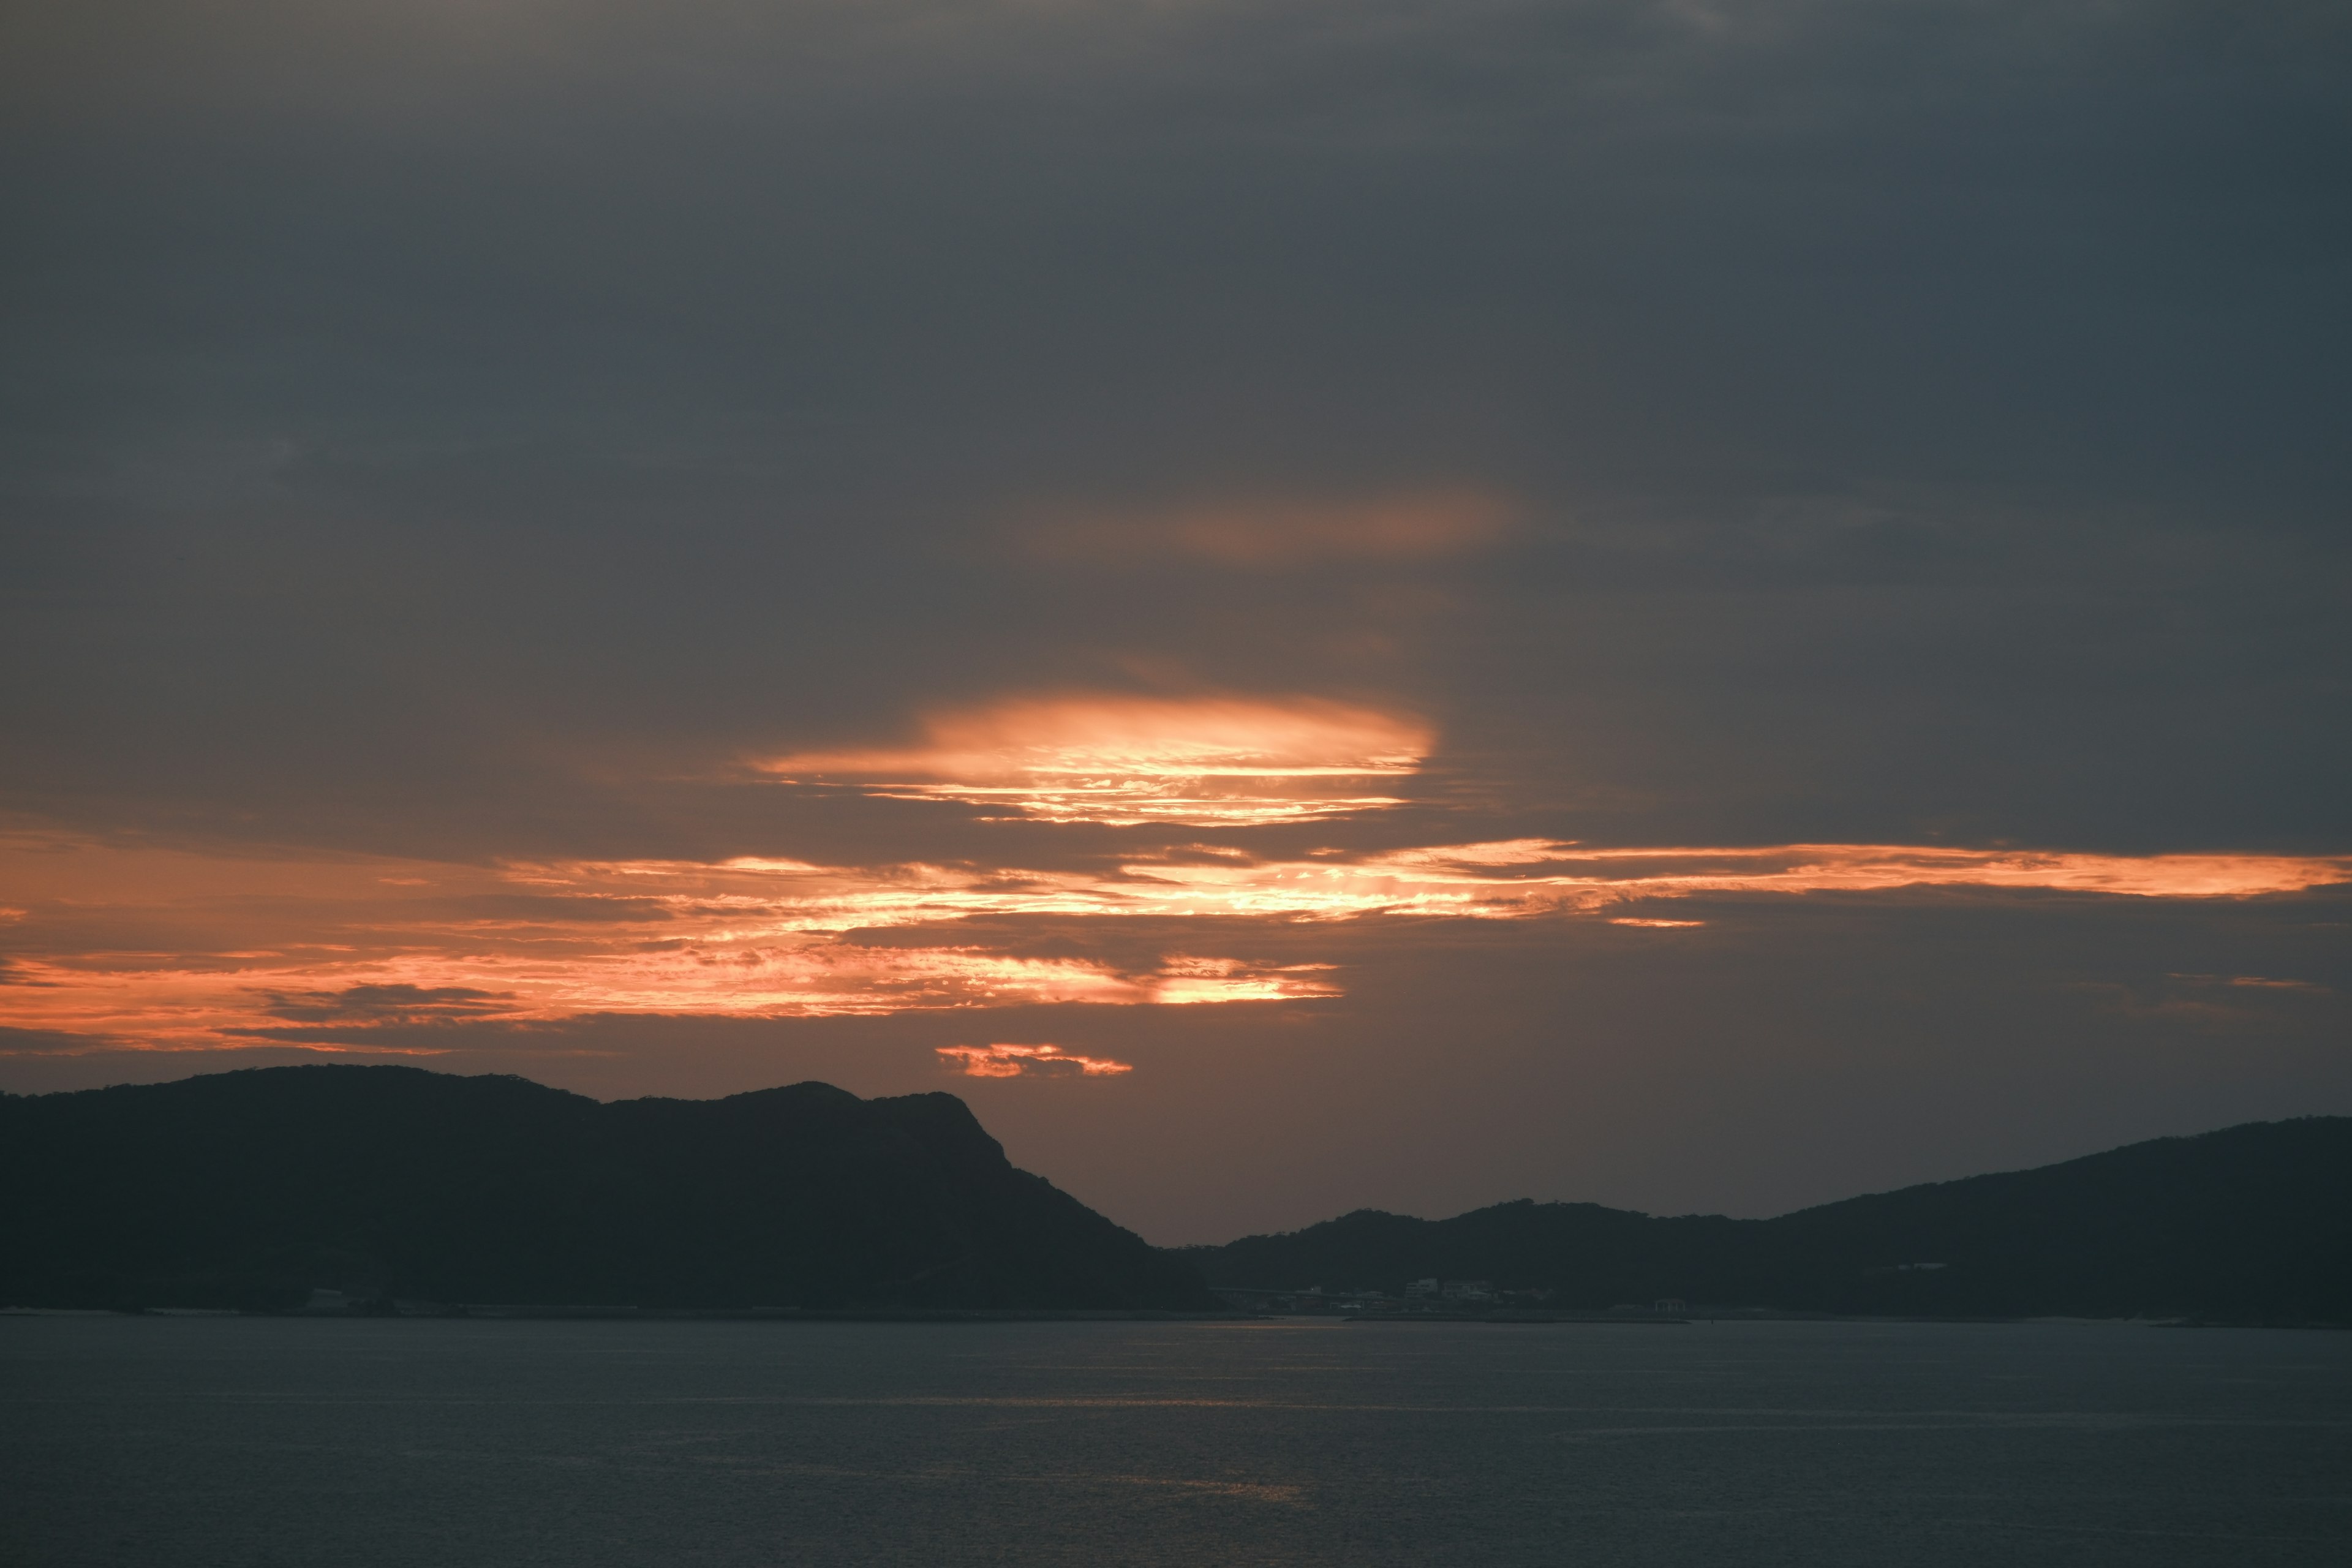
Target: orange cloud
column 167, row 949
column 1276, row 534
column 1027, row 1061
column 1521, row 878
column 209, row 1000
column 1202, row 761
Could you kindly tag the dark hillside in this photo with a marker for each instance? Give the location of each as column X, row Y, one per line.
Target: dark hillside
column 253, row 1187
column 2252, row 1224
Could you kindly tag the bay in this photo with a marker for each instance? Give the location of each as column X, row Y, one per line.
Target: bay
column 253, row 1442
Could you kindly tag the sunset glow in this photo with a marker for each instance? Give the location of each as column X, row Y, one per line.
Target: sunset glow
column 175, row 950
column 1027, row 1061
column 1133, row 760
column 1654, row 602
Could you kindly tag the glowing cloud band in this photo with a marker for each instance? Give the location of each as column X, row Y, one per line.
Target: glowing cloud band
column 1132, row 760
column 1027, row 1061
column 166, row 948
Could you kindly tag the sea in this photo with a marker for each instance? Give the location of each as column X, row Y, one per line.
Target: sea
column 257, row 1442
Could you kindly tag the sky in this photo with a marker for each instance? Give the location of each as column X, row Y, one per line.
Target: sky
column 1703, row 606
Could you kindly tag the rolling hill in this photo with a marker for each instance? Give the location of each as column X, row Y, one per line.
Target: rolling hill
column 2252, row 1224
column 252, row 1188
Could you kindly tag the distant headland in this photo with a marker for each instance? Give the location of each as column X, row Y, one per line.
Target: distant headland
column 2248, row 1225
column 394, row 1189
column 343, row 1190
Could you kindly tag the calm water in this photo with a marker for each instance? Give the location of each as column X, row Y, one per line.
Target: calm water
column 246, row 1442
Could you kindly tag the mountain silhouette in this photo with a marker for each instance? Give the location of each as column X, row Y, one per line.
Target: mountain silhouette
column 255, row 1188
column 2252, row 1224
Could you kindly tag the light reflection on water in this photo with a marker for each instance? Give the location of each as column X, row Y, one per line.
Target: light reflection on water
column 232, row 1441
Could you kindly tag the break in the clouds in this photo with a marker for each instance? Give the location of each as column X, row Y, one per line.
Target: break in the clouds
column 1147, row 522
column 1022, row 1061
column 1128, row 759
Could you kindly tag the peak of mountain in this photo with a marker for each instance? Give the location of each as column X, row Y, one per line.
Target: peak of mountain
column 255, row 1187
column 2250, row 1223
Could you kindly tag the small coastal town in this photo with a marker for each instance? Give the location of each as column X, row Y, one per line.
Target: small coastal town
column 1428, row 1299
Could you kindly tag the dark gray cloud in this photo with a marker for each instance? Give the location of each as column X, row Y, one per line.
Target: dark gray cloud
column 1925, row 416
column 375, row 1005
column 472, row 433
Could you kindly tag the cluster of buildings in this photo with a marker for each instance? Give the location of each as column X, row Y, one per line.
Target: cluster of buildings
column 1419, row 1296
column 1476, row 1292
column 1431, row 1294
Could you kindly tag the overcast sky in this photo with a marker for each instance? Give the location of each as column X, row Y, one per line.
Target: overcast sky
column 1697, row 606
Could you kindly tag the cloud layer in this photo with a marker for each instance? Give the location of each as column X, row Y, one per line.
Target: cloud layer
column 1397, row 521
